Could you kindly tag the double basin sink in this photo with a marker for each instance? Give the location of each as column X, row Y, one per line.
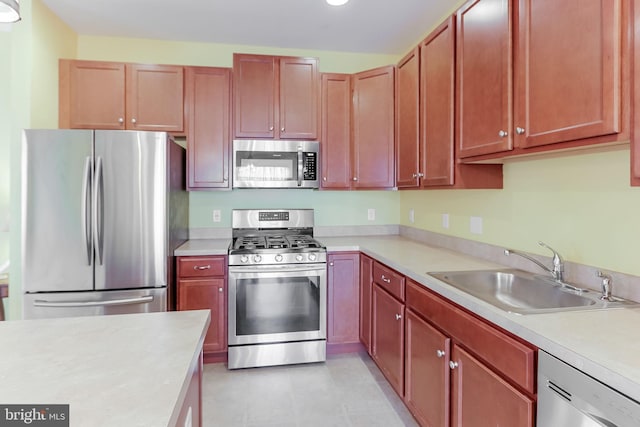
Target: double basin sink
column 520, row 292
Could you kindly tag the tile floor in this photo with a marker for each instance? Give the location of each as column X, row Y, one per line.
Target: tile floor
column 346, row 390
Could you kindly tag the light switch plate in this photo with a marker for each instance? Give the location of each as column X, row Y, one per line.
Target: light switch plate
column 216, row 215
column 371, row 214
column 445, row 220
column 475, row 225
column 412, row 216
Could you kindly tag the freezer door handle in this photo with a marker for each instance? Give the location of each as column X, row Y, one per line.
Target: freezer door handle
column 86, row 207
column 125, row 301
column 98, row 209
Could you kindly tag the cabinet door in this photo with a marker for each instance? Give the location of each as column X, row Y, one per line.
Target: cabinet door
column 407, row 120
column 437, row 114
column 485, row 90
column 299, row 98
column 366, row 283
column 427, row 353
column 254, row 88
column 373, row 128
column 208, row 100
column 635, row 126
column 198, row 294
column 343, row 281
column 155, row 97
column 336, row 131
column 479, row 397
column 568, row 78
column 91, row 95
column 388, row 337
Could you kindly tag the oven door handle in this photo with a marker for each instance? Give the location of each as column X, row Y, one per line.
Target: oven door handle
column 276, row 269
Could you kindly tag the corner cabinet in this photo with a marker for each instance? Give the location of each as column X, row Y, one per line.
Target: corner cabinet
column 208, row 102
column 110, row 95
column 336, row 131
column 343, row 310
column 373, row 129
column 202, row 284
column 276, row 97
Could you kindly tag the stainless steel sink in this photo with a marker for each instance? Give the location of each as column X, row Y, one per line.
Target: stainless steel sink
column 521, row 292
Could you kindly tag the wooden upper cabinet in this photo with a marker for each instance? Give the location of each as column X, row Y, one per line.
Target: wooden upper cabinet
column 568, row 79
column 407, row 120
column 208, row 101
column 336, row 131
column 373, row 128
column 437, row 114
column 276, row 97
column 91, row 95
column 635, row 128
column 484, row 74
column 108, row 95
column 155, row 97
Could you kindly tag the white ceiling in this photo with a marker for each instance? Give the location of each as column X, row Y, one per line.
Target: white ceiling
column 366, row 26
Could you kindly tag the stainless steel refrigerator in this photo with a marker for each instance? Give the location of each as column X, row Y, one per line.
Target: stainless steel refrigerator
column 102, row 212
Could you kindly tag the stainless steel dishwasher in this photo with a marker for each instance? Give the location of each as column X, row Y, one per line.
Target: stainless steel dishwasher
column 569, row 397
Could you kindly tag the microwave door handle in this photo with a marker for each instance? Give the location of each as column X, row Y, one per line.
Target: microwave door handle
column 300, row 166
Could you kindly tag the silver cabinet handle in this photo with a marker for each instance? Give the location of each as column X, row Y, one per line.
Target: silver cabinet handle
column 134, row 121
column 120, row 120
column 384, row 279
column 452, row 364
column 202, row 267
column 519, row 130
column 398, row 317
column 440, row 353
column 502, row 134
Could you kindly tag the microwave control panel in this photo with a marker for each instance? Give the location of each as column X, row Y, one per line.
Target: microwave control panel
column 310, row 166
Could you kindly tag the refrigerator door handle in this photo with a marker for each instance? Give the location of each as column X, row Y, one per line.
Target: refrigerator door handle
column 98, row 209
column 62, row 304
column 86, row 207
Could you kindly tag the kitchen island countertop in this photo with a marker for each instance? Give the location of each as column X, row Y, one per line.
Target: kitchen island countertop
column 603, row 343
column 116, row 370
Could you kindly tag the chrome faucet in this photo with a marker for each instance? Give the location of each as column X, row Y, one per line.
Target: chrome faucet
column 606, row 286
column 558, row 264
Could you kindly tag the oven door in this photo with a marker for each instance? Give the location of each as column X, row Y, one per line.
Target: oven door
column 277, row 303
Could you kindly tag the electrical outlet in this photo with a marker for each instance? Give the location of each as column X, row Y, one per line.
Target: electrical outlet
column 216, row 215
column 445, row 220
column 412, row 216
column 475, row 225
column 371, row 214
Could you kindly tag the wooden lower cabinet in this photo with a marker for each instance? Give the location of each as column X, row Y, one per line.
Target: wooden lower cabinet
column 343, row 279
column 388, row 337
column 191, row 407
column 202, row 284
column 427, row 352
column 366, row 283
column 480, row 397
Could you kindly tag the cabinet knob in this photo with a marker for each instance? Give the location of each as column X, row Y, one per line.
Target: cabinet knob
column 398, row 316
column 415, row 175
column 502, row 134
column 134, row 121
column 331, row 264
column 120, row 120
column 452, row 364
column 355, row 178
column 281, row 129
column 201, row 267
column 220, row 290
column 385, row 280
column 519, row 130
column 440, row 353
column 324, row 178
column 271, row 128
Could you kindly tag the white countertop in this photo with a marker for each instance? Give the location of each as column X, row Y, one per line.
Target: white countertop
column 117, row 370
column 203, row 247
column 603, row 343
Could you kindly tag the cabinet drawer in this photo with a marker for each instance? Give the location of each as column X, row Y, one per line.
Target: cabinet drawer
column 202, row 266
column 507, row 355
column 388, row 279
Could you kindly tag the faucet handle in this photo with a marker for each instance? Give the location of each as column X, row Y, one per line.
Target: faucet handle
column 558, row 263
column 606, row 285
column 556, row 255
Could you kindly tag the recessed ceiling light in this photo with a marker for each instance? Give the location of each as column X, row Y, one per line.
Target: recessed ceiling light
column 9, row 11
column 337, row 2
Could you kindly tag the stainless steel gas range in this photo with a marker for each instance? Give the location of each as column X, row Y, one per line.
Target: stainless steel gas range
column 277, row 289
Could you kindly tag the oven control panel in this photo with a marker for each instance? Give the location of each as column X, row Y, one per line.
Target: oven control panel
column 278, row 258
column 273, row 216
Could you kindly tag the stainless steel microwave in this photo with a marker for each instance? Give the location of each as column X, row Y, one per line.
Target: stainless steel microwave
column 268, row 163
